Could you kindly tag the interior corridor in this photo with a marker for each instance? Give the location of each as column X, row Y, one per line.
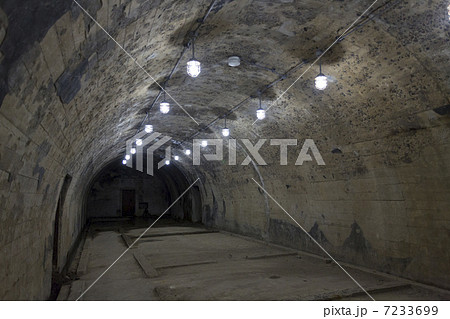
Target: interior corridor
column 269, row 131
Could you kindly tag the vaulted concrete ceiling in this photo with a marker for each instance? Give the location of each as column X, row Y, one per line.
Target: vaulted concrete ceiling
column 382, row 75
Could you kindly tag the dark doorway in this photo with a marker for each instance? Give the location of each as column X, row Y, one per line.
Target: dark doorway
column 128, row 202
column 56, row 276
column 196, row 205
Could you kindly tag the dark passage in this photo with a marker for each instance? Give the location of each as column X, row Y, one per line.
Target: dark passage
column 119, row 191
column 128, row 202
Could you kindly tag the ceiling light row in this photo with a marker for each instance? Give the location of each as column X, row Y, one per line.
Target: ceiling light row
column 193, row 70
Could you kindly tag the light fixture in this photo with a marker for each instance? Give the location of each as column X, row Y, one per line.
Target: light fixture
column 124, row 162
column 204, row 143
column 127, row 157
column 193, row 65
column 225, row 130
column 176, row 157
column 187, row 152
column 148, row 128
column 133, row 150
column 164, row 106
column 234, row 61
column 167, row 162
column 320, row 80
column 138, row 142
column 260, row 112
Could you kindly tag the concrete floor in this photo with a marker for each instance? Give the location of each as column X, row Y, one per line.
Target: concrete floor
column 181, row 261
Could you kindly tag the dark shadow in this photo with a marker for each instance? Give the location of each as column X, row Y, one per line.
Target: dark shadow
column 56, row 274
column 118, row 192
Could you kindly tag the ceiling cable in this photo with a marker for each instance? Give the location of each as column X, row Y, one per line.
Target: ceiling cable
column 200, row 22
column 369, row 17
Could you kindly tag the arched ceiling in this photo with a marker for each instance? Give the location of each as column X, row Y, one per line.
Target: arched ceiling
column 390, row 68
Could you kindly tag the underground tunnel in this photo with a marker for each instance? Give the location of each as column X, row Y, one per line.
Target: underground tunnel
column 117, row 191
column 224, row 150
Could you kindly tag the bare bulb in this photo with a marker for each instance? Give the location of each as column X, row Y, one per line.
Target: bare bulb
column 164, row 107
column 260, row 114
column 320, row 82
column 148, row 128
column 193, row 68
column 225, row 131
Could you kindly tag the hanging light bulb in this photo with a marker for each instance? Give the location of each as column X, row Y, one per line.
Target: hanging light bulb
column 320, row 80
column 193, row 65
column 148, row 128
column 138, row 142
column 133, row 150
column 187, row 152
column 193, row 68
column 124, row 162
column 167, row 162
column 127, row 157
column 260, row 112
column 204, row 143
column 164, row 106
column 176, row 157
column 225, row 130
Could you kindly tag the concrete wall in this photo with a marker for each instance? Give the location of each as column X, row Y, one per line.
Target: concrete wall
column 380, row 203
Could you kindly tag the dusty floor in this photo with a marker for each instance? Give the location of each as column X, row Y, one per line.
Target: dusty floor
column 181, row 261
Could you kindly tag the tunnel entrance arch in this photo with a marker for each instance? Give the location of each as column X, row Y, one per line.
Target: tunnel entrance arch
column 104, row 196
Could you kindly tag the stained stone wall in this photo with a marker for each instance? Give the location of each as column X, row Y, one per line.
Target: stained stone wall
column 70, row 98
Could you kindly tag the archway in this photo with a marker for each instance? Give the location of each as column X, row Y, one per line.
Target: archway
column 118, row 191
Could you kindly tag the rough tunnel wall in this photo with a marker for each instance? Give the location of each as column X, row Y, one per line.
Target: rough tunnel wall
column 36, row 148
column 378, row 202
